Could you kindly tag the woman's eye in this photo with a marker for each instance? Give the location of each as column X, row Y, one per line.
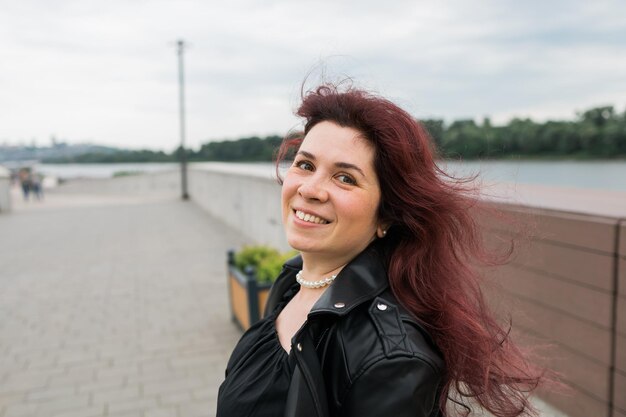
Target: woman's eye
column 304, row 165
column 346, row 179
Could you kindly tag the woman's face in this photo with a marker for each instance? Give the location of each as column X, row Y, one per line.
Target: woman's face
column 331, row 194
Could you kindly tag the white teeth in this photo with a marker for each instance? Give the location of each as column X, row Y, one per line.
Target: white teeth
column 309, row 217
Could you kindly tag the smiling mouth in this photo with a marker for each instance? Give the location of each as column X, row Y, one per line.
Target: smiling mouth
column 309, row 217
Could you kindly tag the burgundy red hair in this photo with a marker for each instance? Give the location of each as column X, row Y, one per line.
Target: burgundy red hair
column 434, row 244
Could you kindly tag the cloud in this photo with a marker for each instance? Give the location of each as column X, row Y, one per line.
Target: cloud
column 107, row 71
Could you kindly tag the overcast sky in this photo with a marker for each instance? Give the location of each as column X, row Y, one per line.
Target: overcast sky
column 106, row 71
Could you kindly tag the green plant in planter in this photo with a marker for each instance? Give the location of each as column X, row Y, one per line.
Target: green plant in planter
column 251, row 272
column 266, row 261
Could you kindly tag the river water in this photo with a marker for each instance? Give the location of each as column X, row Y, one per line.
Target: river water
column 603, row 175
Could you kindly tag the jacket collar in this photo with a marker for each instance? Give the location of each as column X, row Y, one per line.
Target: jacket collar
column 361, row 280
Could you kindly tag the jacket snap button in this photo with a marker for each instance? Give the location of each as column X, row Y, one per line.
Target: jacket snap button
column 381, row 306
column 299, row 347
column 339, row 305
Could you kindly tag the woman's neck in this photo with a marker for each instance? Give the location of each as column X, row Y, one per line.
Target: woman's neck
column 315, row 268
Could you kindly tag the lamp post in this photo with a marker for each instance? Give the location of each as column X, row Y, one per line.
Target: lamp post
column 181, row 89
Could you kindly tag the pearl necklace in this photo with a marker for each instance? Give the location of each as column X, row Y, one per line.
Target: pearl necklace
column 314, row 284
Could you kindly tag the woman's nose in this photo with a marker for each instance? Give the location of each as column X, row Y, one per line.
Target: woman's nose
column 313, row 188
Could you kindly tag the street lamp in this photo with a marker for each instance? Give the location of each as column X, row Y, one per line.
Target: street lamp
column 183, row 154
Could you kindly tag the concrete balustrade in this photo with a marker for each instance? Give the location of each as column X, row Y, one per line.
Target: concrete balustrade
column 250, row 203
column 157, row 183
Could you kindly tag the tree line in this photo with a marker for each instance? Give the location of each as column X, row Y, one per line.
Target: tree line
column 596, row 133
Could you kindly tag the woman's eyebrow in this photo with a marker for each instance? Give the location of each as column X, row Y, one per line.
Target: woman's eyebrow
column 344, row 165
column 306, row 154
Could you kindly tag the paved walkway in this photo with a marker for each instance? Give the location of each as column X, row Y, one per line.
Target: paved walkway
column 112, row 306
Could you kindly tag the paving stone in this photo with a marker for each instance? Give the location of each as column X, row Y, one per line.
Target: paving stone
column 24, row 382
column 112, row 396
column 9, row 399
column 207, row 393
column 126, row 372
column 193, row 362
column 136, row 413
column 102, row 384
column 68, row 357
column 80, row 412
column 36, row 363
column 65, row 380
column 8, row 365
column 156, row 376
column 162, row 412
column 175, row 398
column 6, row 399
column 154, row 365
column 174, row 385
column 198, row 409
column 69, row 402
column 20, row 409
column 46, row 394
column 138, row 404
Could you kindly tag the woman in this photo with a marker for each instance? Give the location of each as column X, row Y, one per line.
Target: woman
column 381, row 314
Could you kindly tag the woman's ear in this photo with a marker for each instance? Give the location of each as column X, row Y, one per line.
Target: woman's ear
column 381, row 230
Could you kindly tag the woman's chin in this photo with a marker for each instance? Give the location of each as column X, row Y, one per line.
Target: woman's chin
column 302, row 245
column 297, row 245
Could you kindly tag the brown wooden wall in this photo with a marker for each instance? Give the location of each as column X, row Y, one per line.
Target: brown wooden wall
column 566, row 287
column 619, row 388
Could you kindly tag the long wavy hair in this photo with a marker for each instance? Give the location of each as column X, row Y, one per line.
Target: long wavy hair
column 434, row 246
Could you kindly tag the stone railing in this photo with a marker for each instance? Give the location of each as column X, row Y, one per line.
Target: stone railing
column 165, row 183
column 249, row 203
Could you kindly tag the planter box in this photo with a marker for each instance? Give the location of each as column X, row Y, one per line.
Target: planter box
column 247, row 296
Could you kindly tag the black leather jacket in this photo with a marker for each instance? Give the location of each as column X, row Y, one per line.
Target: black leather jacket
column 360, row 353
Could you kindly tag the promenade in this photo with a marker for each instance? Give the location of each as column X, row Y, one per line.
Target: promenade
column 112, row 306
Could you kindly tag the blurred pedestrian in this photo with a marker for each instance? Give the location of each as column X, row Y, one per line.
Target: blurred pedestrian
column 24, row 176
column 36, row 187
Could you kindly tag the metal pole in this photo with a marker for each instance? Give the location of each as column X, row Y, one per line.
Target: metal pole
column 183, row 155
